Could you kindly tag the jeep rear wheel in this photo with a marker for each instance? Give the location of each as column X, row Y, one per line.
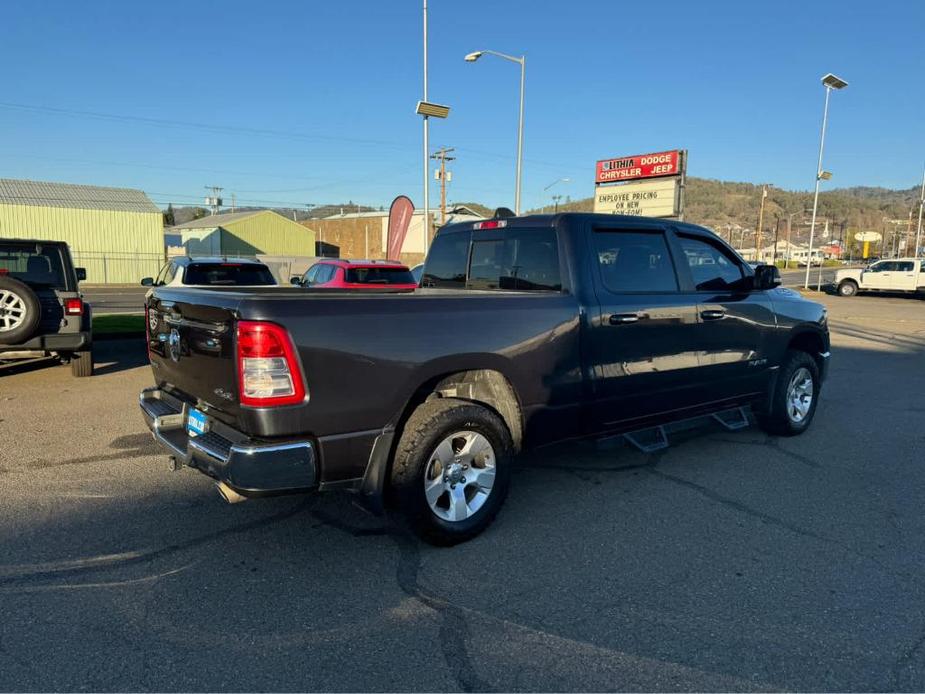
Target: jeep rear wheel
column 20, row 311
column 451, row 470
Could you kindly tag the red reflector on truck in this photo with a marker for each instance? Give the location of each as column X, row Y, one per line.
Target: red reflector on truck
column 268, row 370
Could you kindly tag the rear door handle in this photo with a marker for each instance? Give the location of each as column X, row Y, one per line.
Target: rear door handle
column 621, row 318
column 713, row 314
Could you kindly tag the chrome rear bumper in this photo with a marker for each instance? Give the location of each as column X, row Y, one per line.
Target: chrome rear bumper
column 226, row 454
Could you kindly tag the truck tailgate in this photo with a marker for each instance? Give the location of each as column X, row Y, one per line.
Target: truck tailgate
column 191, row 344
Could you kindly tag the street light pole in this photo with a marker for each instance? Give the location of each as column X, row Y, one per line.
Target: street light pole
column 426, row 144
column 522, row 61
column 830, row 82
column 918, row 232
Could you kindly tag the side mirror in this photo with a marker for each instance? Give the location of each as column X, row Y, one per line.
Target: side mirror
column 147, row 282
column 295, row 281
column 81, row 273
column 767, row 277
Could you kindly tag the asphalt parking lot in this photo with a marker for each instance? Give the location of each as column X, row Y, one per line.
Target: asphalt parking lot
column 731, row 561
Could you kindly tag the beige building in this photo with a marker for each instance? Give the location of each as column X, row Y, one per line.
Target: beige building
column 365, row 234
column 248, row 233
column 115, row 233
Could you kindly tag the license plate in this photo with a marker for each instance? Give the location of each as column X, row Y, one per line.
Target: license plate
column 197, row 423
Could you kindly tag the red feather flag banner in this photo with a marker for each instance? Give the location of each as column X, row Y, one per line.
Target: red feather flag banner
column 399, row 220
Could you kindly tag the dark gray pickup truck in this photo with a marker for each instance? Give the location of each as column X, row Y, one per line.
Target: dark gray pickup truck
column 525, row 331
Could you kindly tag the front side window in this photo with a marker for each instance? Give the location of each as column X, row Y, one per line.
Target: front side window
column 711, row 267
column 312, row 275
column 522, row 261
column 632, row 261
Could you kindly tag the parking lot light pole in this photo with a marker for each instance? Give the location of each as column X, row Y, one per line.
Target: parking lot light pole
column 522, row 61
column 830, row 82
column 918, row 231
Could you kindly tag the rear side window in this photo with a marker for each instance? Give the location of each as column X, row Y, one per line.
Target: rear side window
column 228, row 274
column 379, row 275
column 522, row 260
column 35, row 263
column 446, row 262
column 632, row 261
column 711, row 267
column 906, row 265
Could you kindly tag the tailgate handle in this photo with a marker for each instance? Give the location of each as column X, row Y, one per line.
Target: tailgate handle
column 713, row 314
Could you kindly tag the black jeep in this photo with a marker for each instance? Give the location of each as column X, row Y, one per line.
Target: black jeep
column 42, row 313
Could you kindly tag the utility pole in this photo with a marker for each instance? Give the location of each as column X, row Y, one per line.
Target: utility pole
column 441, row 156
column 776, row 236
column 764, row 194
column 918, row 233
column 556, row 199
column 232, row 202
column 214, row 201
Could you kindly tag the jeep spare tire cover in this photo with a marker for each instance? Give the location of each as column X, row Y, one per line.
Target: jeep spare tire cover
column 20, row 311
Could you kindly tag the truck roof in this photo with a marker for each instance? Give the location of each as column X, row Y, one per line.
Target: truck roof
column 552, row 220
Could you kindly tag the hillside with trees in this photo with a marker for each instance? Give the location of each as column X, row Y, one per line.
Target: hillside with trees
column 732, row 209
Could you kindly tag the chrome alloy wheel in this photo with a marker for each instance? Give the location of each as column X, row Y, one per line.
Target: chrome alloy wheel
column 459, row 476
column 799, row 395
column 12, row 310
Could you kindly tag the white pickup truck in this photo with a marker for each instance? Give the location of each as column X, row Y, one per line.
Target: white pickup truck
column 897, row 275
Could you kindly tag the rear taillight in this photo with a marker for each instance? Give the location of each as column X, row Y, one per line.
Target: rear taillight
column 73, row 307
column 268, row 370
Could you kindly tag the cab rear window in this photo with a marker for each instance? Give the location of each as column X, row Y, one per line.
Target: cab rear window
column 522, row 260
column 228, row 274
column 379, row 275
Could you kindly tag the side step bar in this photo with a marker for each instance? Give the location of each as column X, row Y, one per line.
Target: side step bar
column 655, row 438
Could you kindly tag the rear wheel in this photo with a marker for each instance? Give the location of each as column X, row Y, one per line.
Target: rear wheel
column 20, row 311
column 848, row 288
column 451, row 470
column 796, row 394
column 82, row 363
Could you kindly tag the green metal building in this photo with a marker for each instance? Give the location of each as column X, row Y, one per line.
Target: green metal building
column 249, row 233
column 115, row 233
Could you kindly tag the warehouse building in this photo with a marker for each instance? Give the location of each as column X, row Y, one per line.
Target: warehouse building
column 365, row 234
column 115, row 233
column 249, row 233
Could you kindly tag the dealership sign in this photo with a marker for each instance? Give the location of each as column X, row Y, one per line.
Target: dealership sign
column 659, row 198
column 643, row 185
column 639, row 166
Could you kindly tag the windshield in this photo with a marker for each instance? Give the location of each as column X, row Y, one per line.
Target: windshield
column 228, row 274
column 32, row 263
column 379, row 275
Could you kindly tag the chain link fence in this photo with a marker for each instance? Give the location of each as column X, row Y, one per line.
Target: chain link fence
column 118, row 268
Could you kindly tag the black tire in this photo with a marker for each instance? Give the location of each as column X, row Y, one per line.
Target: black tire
column 779, row 420
column 429, row 425
column 847, row 288
column 82, row 363
column 28, row 311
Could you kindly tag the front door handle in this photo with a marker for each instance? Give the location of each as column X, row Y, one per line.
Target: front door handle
column 621, row 318
column 713, row 314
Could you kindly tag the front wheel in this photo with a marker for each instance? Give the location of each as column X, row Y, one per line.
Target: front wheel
column 847, row 288
column 796, row 394
column 451, row 470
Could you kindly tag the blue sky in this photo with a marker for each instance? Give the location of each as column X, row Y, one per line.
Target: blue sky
column 312, row 102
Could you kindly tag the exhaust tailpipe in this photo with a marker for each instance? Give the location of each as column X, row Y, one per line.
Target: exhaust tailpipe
column 229, row 494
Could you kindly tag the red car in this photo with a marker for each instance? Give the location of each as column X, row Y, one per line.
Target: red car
column 358, row 274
